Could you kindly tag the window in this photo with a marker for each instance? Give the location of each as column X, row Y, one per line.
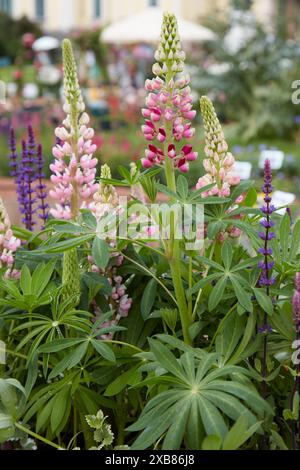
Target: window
column 5, row 6
column 152, row 3
column 97, row 8
column 40, row 10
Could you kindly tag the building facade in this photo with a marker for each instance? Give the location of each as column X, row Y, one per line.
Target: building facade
column 64, row 15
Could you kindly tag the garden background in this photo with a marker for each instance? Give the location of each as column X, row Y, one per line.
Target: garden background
column 247, row 67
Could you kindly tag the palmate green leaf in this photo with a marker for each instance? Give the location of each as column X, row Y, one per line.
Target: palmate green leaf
column 199, row 285
column 166, row 358
column 61, row 404
column 284, row 233
column 227, row 254
column 229, row 405
column 264, row 301
column 42, row 395
column 295, row 242
column 212, row 419
column 182, row 186
column 198, row 399
column 229, row 335
column 65, row 245
column 104, row 350
column 212, row 443
column 217, row 293
column 243, row 297
column 210, row 263
column 120, row 382
column 175, row 343
column 60, row 345
column 25, row 280
column 248, row 332
column 148, row 298
column 100, row 253
column 176, row 431
column 243, row 392
column 41, row 277
column 239, row 433
column 248, row 263
column 70, row 360
column 43, row 415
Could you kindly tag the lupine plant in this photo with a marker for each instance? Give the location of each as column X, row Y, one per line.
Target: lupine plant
column 146, row 325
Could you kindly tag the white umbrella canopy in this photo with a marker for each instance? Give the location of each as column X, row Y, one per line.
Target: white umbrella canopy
column 45, row 43
column 146, row 27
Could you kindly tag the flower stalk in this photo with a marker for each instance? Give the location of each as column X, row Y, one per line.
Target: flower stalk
column 74, row 169
column 168, row 120
column 296, row 388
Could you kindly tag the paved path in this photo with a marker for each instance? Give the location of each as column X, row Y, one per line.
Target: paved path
column 8, row 194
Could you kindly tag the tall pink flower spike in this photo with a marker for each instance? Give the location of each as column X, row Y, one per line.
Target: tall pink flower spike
column 74, row 169
column 169, row 109
column 219, row 162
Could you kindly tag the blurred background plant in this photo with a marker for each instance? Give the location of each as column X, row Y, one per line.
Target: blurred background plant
column 245, row 62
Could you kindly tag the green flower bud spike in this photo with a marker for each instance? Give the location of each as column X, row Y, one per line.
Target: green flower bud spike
column 219, row 163
column 106, row 198
column 72, row 90
column 71, row 278
column 170, row 57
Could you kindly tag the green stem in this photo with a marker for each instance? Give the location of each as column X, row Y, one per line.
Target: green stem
column 152, row 275
column 23, row 356
column 124, row 344
column 174, row 256
column 37, row 436
column 205, row 274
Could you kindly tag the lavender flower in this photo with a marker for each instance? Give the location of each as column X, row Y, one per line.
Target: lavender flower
column 13, row 157
column 265, row 329
column 296, row 386
column 266, row 280
column 28, row 170
column 41, row 192
column 267, row 235
column 296, row 303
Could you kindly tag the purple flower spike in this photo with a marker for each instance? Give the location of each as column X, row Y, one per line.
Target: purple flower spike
column 41, row 187
column 296, row 303
column 266, row 235
column 29, row 175
column 263, row 330
column 13, row 158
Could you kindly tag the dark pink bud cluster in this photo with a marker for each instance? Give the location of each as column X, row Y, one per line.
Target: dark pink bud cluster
column 168, row 115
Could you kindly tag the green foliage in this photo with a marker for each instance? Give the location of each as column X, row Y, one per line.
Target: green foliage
column 250, row 86
column 11, row 32
column 199, row 399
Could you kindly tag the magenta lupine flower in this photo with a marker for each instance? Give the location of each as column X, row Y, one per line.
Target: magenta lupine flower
column 74, row 169
column 169, row 109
